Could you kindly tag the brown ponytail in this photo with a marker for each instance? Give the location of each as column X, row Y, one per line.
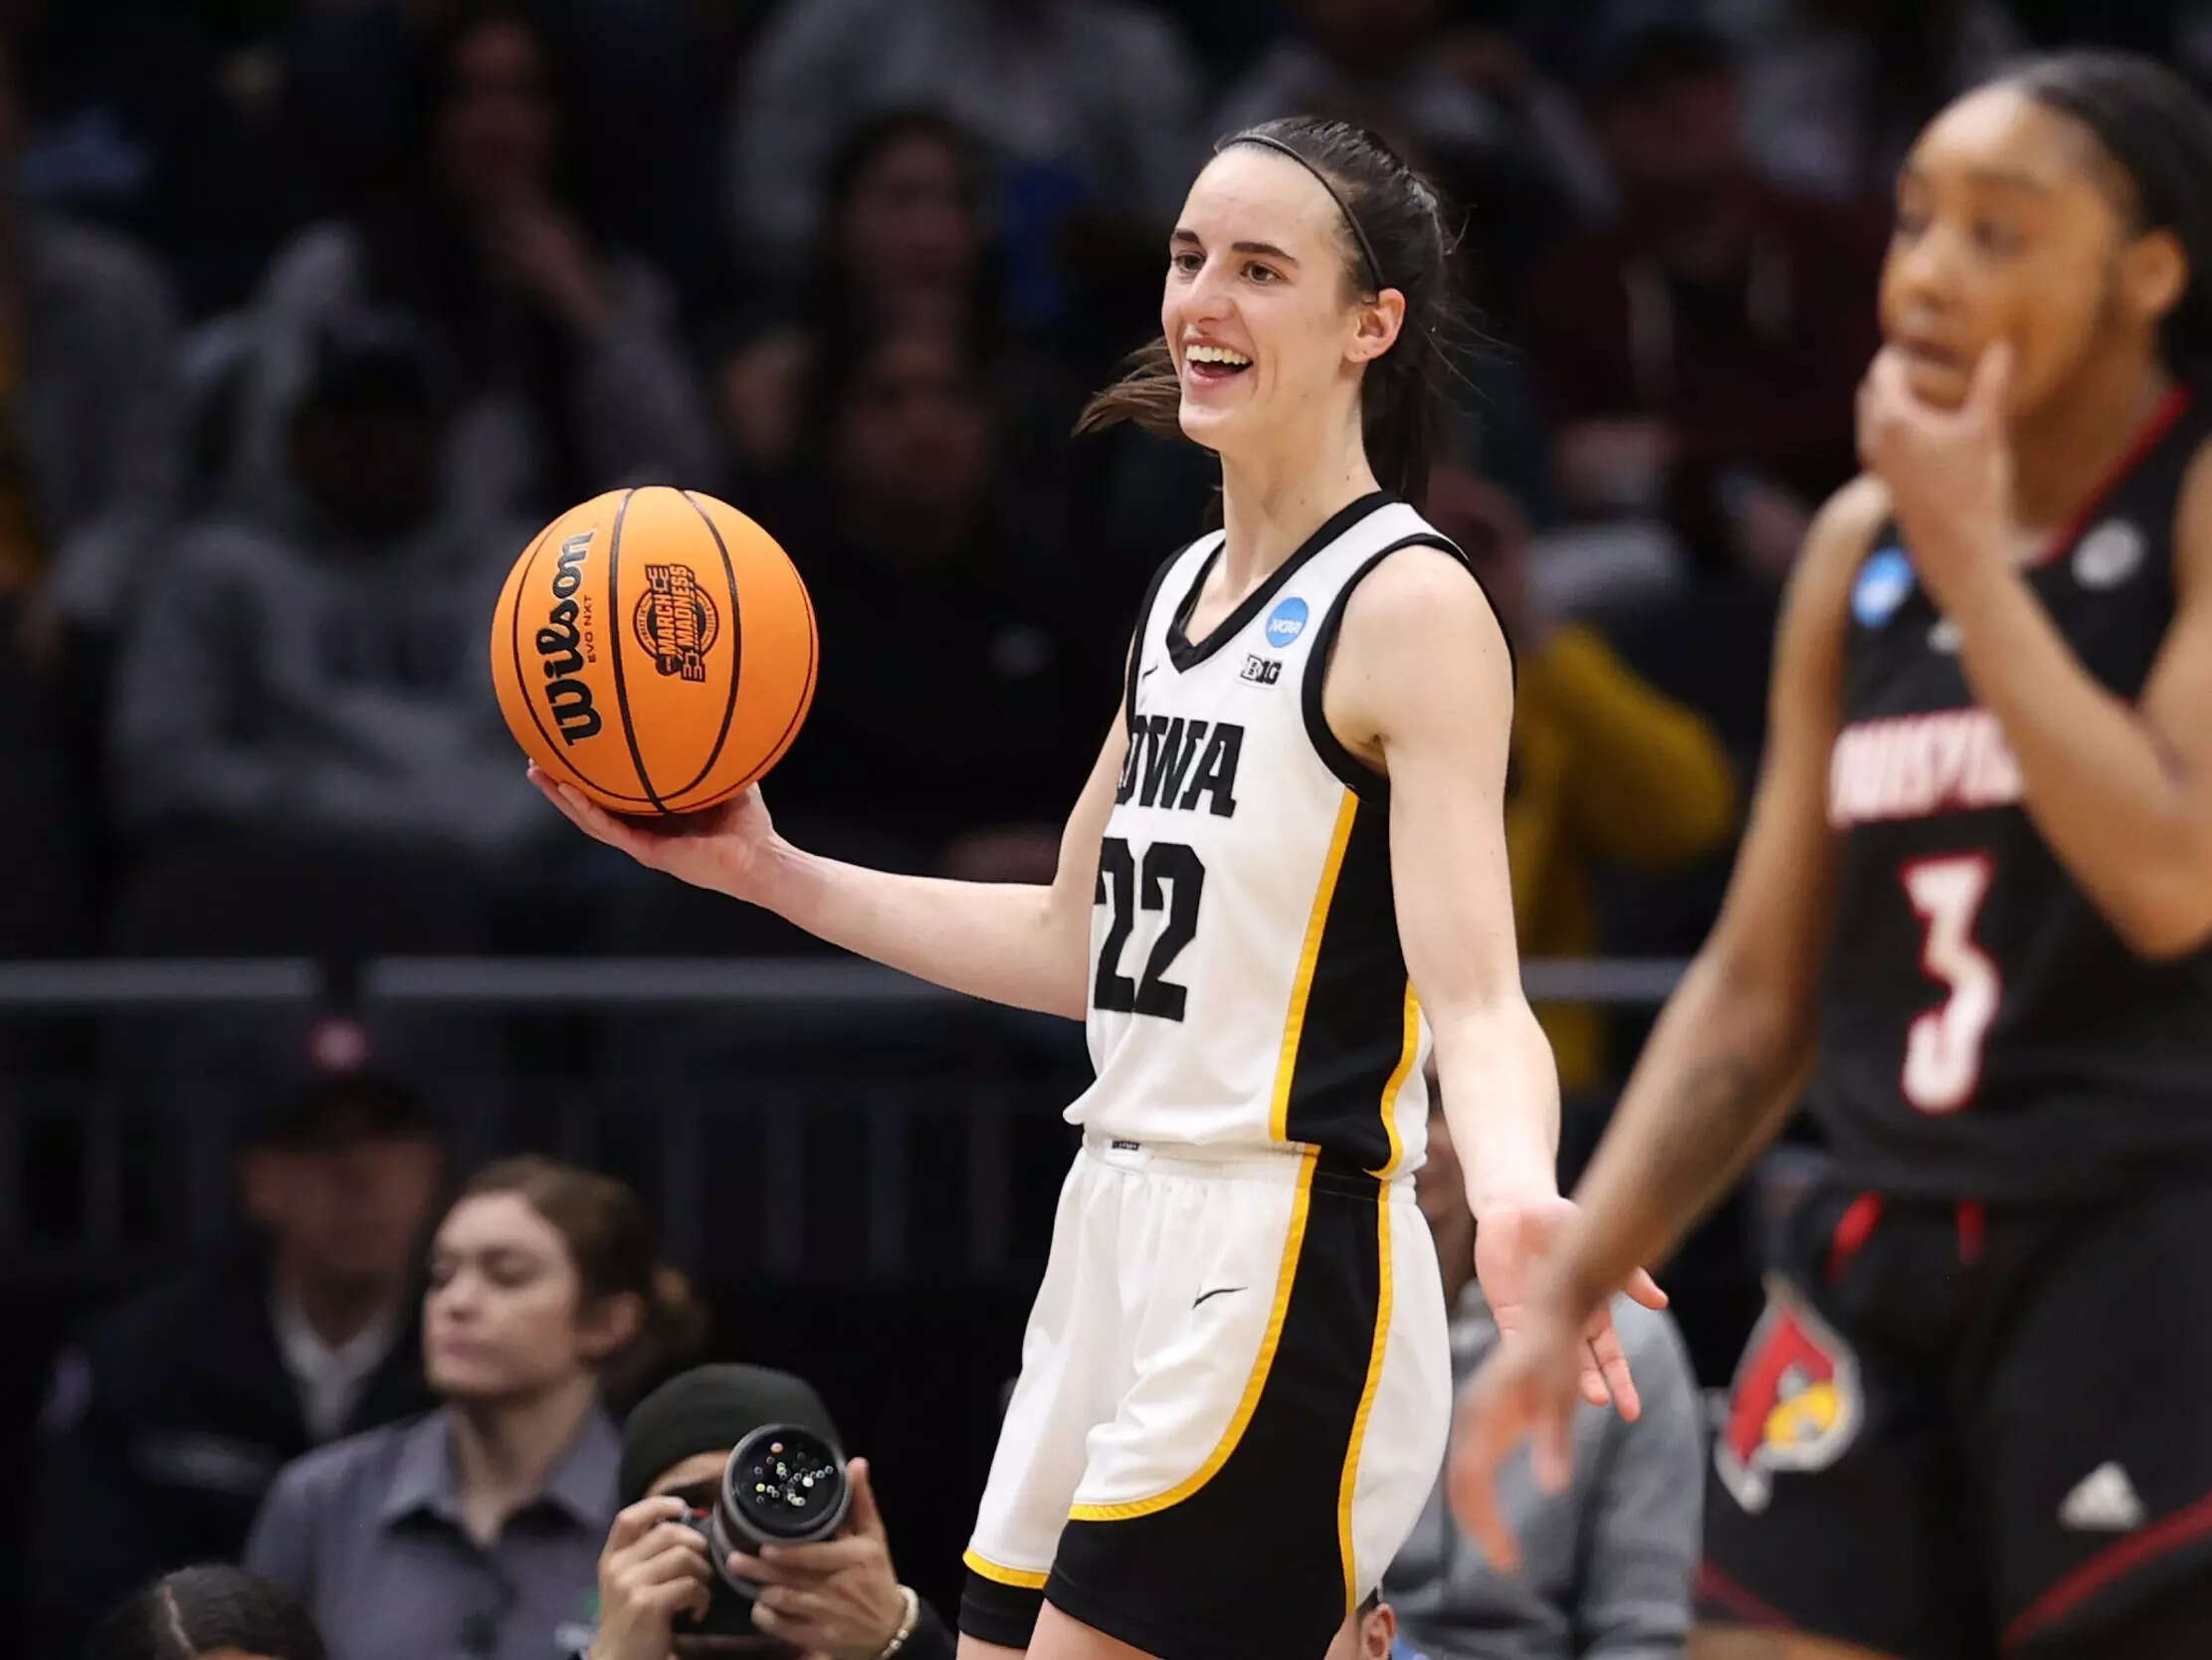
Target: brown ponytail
column 670, row 1335
column 604, row 1227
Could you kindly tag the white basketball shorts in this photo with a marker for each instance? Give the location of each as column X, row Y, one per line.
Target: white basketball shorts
column 1234, row 1399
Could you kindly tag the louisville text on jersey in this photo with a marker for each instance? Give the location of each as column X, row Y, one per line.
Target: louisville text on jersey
column 1177, row 765
column 1917, row 765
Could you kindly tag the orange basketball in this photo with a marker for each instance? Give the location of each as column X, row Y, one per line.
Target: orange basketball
column 655, row 649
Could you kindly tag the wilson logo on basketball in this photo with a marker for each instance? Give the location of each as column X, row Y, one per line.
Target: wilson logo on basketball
column 562, row 647
column 676, row 622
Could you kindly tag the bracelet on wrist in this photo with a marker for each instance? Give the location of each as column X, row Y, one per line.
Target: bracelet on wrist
column 907, row 1623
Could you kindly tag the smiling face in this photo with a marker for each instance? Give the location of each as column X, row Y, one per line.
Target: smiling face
column 1266, row 322
column 2009, row 225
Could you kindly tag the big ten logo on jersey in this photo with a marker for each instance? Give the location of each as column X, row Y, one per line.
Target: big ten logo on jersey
column 1180, row 765
column 1262, row 670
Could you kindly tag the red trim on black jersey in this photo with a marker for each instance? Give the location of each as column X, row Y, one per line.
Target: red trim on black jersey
column 2146, row 1544
column 1973, row 1230
column 1853, row 1228
column 2170, row 409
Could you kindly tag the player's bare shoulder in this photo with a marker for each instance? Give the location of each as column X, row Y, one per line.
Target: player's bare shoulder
column 1420, row 610
column 1816, row 608
column 1417, row 591
column 1419, row 642
column 1836, row 542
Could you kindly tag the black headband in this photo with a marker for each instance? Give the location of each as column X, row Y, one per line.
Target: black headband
column 1366, row 247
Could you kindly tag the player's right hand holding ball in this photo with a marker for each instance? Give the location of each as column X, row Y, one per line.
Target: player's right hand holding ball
column 728, row 847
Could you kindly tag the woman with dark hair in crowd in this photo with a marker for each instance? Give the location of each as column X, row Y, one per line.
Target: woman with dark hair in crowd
column 569, row 372
column 1281, row 885
column 217, row 1613
column 478, row 1527
column 902, row 248
column 1971, row 922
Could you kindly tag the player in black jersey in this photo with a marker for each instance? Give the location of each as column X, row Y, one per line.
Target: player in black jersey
column 1970, row 912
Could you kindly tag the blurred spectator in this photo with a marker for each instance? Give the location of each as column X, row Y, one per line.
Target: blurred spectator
column 91, row 452
column 571, row 379
column 1604, row 769
column 1606, row 1565
column 970, row 679
column 207, row 1613
column 901, row 246
column 642, row 83
column 1839, row 89
column 1500, row 135
column 1698, row 360
column 1086, row 107
column 477, row 1529
column 90, row 445
column 170, row 1415
column 319, row 672
column 144, row 118
column 836, row 1599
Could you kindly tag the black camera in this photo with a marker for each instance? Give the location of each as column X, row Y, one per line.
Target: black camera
column 783, row 1485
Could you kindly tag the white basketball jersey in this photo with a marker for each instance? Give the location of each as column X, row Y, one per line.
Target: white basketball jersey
column 1247, row 981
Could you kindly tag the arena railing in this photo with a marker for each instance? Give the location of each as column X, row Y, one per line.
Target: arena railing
column 91, row 986
column 744, row 1161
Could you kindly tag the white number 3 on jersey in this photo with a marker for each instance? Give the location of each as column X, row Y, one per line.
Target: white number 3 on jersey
column 1943, row 1048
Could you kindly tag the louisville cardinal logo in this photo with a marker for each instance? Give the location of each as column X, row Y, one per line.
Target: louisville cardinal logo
column 1795, row 1402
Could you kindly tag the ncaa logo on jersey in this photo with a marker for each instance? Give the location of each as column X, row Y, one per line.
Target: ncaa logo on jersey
column 1795, row 1403
column 1286, row 622
column 1884, row 582
column 2108, row 554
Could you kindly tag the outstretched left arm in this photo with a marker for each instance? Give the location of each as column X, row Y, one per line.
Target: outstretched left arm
column 1420, row 687
column 2122, row 791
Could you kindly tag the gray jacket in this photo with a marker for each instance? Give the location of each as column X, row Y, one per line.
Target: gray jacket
column 1606, row 1569
column 639, row 415
column 100, row 409
column 284, row 680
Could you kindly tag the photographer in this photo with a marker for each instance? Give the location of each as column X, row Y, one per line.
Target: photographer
column 837, row 1597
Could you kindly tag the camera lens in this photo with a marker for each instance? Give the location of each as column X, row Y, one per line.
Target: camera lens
column 786, row 1484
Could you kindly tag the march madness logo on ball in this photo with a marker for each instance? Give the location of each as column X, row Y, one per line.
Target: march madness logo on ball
column 1795, row 1403
column 676, row 622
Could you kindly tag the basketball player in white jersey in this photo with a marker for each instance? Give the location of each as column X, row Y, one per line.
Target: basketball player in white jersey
column 1282, row 884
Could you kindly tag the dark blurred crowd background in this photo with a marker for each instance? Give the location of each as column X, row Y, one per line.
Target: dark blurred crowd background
column 310, row 313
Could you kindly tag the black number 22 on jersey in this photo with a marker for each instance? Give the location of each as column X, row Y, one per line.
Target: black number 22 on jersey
column 1172, row 878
